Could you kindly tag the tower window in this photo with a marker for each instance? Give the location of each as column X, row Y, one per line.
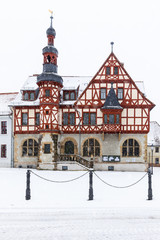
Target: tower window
column 48, row 59
column 47, row 92
column 47, row 148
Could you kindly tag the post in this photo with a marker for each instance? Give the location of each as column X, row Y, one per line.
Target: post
column 28, row 191
column 90, row 185
column 152, row 148
column 149, row 184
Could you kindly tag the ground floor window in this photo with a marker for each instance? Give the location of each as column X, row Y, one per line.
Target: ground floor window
column 69, row 147
column 30, row 148
column 47, row 148
column 3, row 151
column 130, row 148
column 156, row 160
column 91, row 147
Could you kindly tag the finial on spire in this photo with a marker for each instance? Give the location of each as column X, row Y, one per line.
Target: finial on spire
column 112, row 43
column 51, row 12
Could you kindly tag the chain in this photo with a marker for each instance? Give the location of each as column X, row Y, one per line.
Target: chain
column 58, row 181
column 120, row 186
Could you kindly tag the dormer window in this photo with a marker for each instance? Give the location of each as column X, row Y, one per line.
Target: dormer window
column 32, row 96
column 26, row 96
column 72, row 96
column 66, row 96
column 29, row 96
column 69, row 95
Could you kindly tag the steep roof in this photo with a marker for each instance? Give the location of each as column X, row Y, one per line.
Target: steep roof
column 5, row 99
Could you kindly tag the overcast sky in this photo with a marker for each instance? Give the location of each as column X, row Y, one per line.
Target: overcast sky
column 84, row 31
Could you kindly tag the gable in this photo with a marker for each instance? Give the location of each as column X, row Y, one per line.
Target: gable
column 113, row 71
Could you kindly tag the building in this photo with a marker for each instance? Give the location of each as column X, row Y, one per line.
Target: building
column 6, row 129
column 154, row 144
column 64, row 122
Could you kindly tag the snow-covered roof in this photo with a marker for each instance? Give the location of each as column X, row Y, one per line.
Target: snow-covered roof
column 154, row 134
column 72, row 82
column 5, row 99
column 30, row 85
column 69, row 83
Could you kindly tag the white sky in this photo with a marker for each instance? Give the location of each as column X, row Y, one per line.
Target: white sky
column 84, row 30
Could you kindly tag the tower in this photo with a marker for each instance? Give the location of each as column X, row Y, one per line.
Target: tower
column 50, row 84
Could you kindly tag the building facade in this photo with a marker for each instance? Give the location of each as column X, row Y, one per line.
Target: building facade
column 153, row 147
column 64, row 122
column 6, row 130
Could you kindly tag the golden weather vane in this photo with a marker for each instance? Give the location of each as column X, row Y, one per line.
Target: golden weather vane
column 51, row 12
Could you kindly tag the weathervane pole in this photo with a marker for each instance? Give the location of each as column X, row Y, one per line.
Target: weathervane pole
column 51, row 12
column 112, row 43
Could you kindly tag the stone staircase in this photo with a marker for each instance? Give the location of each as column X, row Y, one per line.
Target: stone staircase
column 87, row 164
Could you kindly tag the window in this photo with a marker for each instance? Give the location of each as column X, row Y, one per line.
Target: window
column 26, row 96
column 65, row 118
column 66, row 96
column 108, row 70
column 120, row 93
column 115, row 70
column 32, row 96
column 37, row 119
column 105, row 118
column 157, row 149
column 72, row 118
column 103, row 93
column 89, row 118
column 24, row 119
column 85, row 118
column 91, row 147
column 47, row 92
column 156, row 160
column 3, row 151
column 30, row 148
column 93, row 119
column 47, row 148
column 117, row 119
column 111, row 118
column 4, row 127
column 72, row 96
column 69, row 147
column 130, row 148
column 47, row 112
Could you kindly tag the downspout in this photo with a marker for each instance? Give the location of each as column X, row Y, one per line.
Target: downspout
column 12, row 140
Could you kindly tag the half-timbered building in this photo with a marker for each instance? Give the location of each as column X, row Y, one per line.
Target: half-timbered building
column 64, row 122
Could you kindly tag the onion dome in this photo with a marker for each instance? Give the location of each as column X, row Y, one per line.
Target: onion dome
column 50, row 31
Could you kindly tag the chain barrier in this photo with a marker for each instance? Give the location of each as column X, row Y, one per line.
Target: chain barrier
column 58, row 181
column 119, row 186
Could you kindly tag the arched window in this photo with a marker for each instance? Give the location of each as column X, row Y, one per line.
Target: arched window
column 69, row 147
column 91, row 147
column 30, row 148
column 130, row 148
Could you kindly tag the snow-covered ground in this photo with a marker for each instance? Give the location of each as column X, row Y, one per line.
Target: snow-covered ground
column 62, row 210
